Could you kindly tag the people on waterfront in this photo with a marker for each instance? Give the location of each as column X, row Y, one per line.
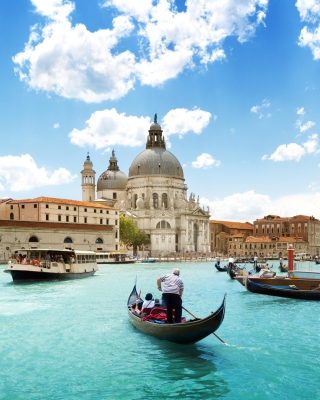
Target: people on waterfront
column 172, row 292
column 148, row 302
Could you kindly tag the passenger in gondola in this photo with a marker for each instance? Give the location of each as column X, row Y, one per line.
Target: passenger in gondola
column 148, row 302
column 157, row 303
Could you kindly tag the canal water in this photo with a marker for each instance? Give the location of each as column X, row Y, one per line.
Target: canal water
column 73, row 340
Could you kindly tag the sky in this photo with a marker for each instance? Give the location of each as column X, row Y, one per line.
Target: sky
column 235, row 85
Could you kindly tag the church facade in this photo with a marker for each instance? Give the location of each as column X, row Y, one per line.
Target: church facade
column 154, row 194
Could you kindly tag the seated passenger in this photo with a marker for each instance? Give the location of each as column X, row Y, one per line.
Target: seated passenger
column 157, row 303
column 148, row 303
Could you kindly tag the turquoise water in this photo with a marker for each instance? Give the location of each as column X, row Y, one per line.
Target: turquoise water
column 73, row 340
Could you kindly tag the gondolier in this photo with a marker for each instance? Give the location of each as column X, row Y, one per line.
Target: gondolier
column 172, row 292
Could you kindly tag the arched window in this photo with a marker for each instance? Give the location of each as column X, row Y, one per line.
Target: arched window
column 99, row 241
column 11, row 216
column 135, row 201
column 164, row 200
column 155, row 200
column 68, row 240
column 163, row 225
column 33, row 239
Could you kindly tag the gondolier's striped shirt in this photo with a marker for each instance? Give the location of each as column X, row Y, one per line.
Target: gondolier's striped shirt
column 172, row 283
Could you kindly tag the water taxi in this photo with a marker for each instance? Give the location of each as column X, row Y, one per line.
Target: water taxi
column 29, row 265
column 114, row 257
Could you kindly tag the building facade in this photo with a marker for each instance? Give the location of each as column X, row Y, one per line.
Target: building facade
column 60, row 223
column 302, row 231
column 155, row 195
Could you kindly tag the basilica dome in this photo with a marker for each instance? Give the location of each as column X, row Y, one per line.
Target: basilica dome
column 156, row 160
column 112, row 178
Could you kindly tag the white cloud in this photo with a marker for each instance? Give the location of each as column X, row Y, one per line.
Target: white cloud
column 109, row 128
column 259, row 109
column 300, row 111
column 73, row 62
column 306, row 126
column 20, row 173
column 242, row 207
column 181, row 121
column 56, row 126
column 249, row 206
column 294, row 151
column 205, row 161
column 309, row 11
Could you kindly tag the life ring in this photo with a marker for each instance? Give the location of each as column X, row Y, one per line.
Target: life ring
column 36, row 263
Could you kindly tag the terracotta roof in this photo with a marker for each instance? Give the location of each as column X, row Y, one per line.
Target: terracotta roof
column 233, row 225
column 254, row 239
column 62, row 201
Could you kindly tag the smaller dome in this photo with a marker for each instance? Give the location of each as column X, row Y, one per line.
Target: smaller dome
column 112, row 180
column 155, row 127
column 88, row 161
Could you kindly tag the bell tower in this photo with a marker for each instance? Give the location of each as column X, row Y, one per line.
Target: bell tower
column 88, row 180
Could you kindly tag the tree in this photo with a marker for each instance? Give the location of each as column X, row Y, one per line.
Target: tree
column 130, row 235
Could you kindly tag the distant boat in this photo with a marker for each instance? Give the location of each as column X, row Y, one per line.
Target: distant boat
column 283, row 268
column 51, row 264
column 288, row 291
column 221, row 269
column 147, row 260
column 114, row 257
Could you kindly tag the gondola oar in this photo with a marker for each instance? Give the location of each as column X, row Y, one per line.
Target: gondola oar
column 218, row 337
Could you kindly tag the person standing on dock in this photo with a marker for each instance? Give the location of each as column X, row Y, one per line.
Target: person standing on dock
column 172, row 292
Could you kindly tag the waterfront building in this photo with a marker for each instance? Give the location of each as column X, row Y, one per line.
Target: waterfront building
column 155, row 195
column 302, row 231
column 227, row 237
column 60, row 223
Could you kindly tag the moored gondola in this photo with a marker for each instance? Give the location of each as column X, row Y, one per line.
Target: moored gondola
column 288, row 291
column 182, row 333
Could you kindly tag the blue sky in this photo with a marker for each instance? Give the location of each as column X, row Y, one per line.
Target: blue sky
column 235, row 85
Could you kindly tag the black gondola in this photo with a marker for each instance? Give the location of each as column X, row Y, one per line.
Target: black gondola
column 290, row 291
column 182, row 333
column 221, row 269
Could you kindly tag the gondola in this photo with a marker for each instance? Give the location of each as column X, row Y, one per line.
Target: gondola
column 283, row 268
column 288, row 291
column 221, row 269
column 182, row 333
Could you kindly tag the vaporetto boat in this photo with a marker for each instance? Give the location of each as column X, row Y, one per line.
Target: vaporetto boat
column 114, row 257
column 29, row 265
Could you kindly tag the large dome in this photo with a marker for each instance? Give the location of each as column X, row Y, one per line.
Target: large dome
column 156, row 161
column 112, row 178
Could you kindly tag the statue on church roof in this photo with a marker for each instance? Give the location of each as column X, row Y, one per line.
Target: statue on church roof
column 113, row 153
column 155, row 119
